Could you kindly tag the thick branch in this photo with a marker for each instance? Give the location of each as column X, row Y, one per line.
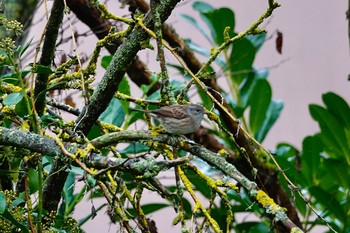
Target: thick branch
column 48, row 53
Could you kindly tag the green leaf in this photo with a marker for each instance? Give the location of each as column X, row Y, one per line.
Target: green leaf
column 24, row 48
column 286, row 156
column 2, row 202
column 41, row 69
column 177, row 86
column 21, row 107
column 153, row 207
column 202, row 7
column 124, row 88
column 13, row 77
column 310, row 159
column 259, row 103
column 217, row 20
column 17, row 202
column 68, row 188
column 13, row 98
column 329, row 202
column 338, row 107
column 340, row 171
column 94, row 132
column 114, row 114
column 33, row 181
column 241, row 59
column 134, row 148
column 105, row 61
column 206, row 101
column 332, row 132
column 245, row 88
column 272, row 114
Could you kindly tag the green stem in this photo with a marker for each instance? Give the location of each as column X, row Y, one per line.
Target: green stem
column 40, row 203
column 21, row 84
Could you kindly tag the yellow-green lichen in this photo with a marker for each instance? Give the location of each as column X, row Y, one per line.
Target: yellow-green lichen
column 270, row 206
column 296, row 230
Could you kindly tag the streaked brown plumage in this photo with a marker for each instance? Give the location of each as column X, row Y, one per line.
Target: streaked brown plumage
column 179, row 119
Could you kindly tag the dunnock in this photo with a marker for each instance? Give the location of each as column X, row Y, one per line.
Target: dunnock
column 179, row 119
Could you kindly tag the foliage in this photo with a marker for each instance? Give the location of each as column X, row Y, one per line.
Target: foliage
column 323, row 164
column 118, row 164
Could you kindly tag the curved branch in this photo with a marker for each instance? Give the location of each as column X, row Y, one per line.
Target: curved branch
column 48, row 52
column 37, row 143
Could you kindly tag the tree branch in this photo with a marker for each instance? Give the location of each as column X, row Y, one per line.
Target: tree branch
column 120, row 62
column 36, row 143
column 91, row 16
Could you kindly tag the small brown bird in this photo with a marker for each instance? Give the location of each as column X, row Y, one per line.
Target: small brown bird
column 179, row 119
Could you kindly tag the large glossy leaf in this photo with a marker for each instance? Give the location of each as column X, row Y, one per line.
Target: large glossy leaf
column 114, row 114
column 340, row 171
column 68, row 188
column 287, row 157
column 13, row 98
column 241, row 59
column 329, row 202
column 338, row 107
column 259, row 104
column 332, row 132
column 21, row 108
column 218, row 20
column 272, row 114
column 245, row 87
column 310, row 159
